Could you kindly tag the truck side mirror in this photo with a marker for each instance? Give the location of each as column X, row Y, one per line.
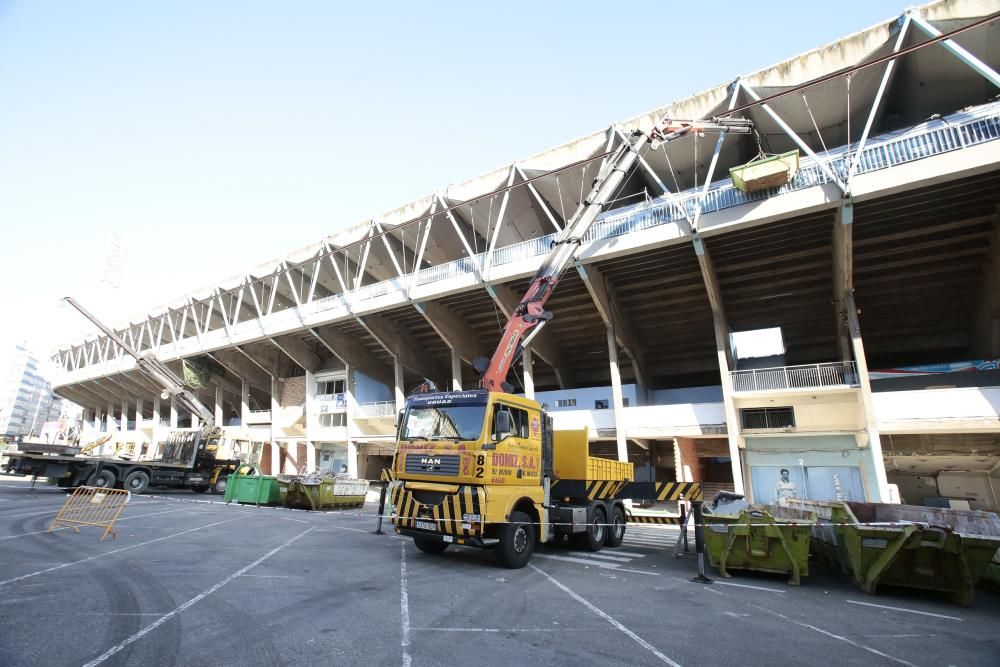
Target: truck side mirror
column 502, row 423
column 399, row 419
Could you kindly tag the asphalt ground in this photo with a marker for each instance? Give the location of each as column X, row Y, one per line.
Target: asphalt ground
column 190, row 580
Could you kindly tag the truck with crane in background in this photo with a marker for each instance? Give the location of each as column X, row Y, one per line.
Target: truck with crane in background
column 486, row 468
column 189, row 458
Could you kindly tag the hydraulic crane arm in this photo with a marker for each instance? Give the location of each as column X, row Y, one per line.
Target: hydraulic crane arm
column 530, row 315
column 155, row 370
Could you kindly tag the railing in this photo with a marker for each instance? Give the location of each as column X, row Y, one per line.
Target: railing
column 379, row 409
column 834, row 374
column 957, row 131
column 339, row 400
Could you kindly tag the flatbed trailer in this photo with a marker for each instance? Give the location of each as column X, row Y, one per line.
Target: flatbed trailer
column 191, row 464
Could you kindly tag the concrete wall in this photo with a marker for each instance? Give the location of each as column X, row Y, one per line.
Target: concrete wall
column 819, row 412
column 711, row 394
column 368, row 390
column 585, row 397
column 977, row 408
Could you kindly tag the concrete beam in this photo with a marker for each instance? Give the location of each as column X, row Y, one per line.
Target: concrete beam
column 353, row 353
column 452, row 329
column 241, row 367
column 714, row 292
column 843, row 273
column 988, row 318
column 298, row 352
column 402, row 346
column 543, row 344
column 607, row 304
column 266, row 355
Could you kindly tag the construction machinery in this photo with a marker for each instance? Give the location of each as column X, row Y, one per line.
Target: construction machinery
column 188, row 458
column 486, row 468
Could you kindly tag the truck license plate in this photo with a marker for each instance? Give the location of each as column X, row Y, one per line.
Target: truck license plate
column 424, row 525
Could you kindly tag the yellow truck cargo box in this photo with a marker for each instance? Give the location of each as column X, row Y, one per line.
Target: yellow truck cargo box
column 571, row 460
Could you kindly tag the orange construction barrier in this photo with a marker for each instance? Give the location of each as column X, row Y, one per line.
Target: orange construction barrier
column 92, row 506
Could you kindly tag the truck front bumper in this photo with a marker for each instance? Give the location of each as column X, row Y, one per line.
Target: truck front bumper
column 479, row 542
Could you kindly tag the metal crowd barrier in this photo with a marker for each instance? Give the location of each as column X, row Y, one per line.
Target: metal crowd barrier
column 92, row 506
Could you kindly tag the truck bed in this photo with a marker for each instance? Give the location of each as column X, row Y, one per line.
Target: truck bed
column 94, row 459
column 571, row 460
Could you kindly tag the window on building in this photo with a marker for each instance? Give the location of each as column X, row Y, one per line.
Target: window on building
column 765, row 418
column 332, row 387
column 601, row 404
column 333, row 419
column 625, row 402
column 566, row 403
column 758, row 343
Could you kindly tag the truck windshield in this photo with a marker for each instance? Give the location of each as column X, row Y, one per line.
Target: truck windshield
column 454, row 422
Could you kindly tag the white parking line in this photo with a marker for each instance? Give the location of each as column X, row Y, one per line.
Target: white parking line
column 568, row 559
column 602, row 557
column 404, row 608
column 833, row 636
column 756, row 588
column 619, row 552
column 607, row 617
column 108, row 553
column 908, row 611
column 201, row 596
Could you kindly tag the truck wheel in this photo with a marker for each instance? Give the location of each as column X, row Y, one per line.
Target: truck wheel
column 430, row 546
column 592, row 539
column 221, row 483
column 616, row 531
column 103, row 479
column 137, row 481
column 517, row 541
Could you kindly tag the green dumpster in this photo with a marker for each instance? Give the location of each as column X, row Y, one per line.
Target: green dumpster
column 928, row 548
column 252, row 489
column 763, row 538
column 326, row 492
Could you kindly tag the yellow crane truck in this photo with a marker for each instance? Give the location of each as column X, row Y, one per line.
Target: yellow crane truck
column 485, row 468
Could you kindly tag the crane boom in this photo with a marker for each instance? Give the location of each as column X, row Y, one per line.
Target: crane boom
column 529, row 316
column 155, row 370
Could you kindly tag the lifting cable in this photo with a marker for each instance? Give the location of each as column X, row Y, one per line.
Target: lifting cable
column 813, row 119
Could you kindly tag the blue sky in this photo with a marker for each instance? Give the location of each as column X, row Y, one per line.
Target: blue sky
column 212, row 136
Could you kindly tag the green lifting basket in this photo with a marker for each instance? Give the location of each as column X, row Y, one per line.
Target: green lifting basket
column 766, row 172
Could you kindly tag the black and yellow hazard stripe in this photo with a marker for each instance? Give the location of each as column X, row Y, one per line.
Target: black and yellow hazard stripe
column 604, row 489
column 447, row 515
column 387, row 475
column 669, row 520
column 678, row 491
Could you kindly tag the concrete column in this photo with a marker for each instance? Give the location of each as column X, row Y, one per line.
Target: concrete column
column 616, row 397
column 110, row 417
column 218, row 407
column 173, row 413
column 686, row 463
column 138, row 413
column 244, row 404
column 97, row 419
column 729, row 404
column 352, row 459
column 528, row 375
column 156, row 412
column 275, row 458
column 398, row 384
column 195, row 422
column 310, row 456
column 871, row 422
column 123, row 424
column 456, row 371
